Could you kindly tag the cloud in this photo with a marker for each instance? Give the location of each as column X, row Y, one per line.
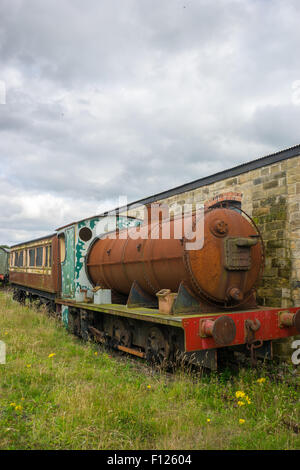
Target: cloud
column 135, row 97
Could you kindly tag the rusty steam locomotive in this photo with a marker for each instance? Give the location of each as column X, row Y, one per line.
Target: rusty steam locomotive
column 150, row 296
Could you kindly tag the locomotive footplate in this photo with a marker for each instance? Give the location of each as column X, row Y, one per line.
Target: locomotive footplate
column 210, row 331
column 140, row 313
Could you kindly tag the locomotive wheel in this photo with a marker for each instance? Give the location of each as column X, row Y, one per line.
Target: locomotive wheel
column 158, row 348
column 74, row 322
column 19, row 296
column 121, row 333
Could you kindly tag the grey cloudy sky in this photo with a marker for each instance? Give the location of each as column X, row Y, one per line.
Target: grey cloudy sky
column 133, row 97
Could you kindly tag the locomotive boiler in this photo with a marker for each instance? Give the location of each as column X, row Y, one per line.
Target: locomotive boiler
column 221, row 273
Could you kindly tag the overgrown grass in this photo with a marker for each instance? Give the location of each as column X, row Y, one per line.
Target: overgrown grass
column 86, row 398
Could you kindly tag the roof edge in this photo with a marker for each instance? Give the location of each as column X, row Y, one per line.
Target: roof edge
column 34, row 240
column 224, row 174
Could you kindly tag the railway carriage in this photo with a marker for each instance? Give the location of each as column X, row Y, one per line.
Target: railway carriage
column 4, row 260
column 34, row 269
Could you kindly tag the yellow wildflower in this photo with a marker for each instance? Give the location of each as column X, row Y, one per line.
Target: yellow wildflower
column 239, row 394
column 51, row 355
column 18, row 408
column 12, row 404
column 208, row 420
column 149, row 386
column 261, row 380
column 241, row 421
column 247, row 399
column 96, row 354
column 6, row 333
column 22, row 398
column 240, row 403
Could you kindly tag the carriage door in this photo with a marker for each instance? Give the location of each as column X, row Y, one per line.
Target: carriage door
column 67, row 262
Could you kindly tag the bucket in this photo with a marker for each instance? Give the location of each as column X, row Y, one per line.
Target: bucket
column 166, row 300
column 79, row 296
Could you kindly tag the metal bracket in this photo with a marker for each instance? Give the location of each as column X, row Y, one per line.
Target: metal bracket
column 238, row 254
column 186, row 301
column 139, row 298
column 251, row 326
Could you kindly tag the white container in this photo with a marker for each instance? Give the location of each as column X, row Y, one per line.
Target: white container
column 79, row 296
column 102, row 296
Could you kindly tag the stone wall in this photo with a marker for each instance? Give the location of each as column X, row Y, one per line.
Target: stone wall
column 271, row 195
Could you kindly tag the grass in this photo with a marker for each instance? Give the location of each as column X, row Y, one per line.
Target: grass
column 84, row 397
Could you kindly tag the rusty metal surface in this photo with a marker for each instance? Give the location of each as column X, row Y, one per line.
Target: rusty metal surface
column 99, row 337
column 251, row 327
column 208, row 267
column 222, row 330
column 133, row 351
column 288, row 319
column 164, row 263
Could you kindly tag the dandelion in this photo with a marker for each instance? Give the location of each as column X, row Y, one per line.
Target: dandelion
column 240, row 403
column 18, row 408
column 12, row 404
column 247, row 399
column 52, row 354
column 239, row 394
column 208, row 420
column 22, row 398
column 96, row 354
column 261, row 380
column 6, row 333
column 149, row 386
column 28, row 365
column 241, row 421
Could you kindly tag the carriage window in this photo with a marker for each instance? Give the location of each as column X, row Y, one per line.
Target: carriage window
column 39, row 256
column 46, row 256
column 62, row 247
column 16, row 259
column 20, row 259
column 31, row 256
column 50, row 255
